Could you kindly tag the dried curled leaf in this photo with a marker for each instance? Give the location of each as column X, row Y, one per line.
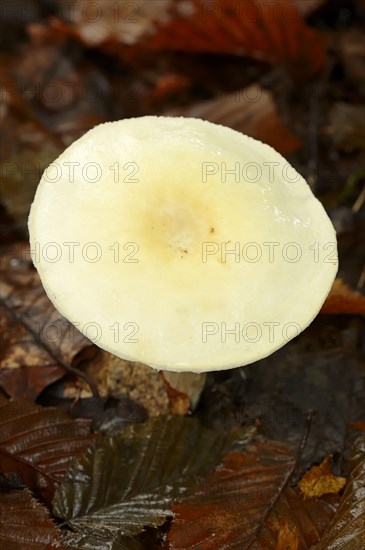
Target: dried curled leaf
column 40, row 443
column 37, row 342
column 273, row 31
column 251, row 111
column 247, row 503
column 347, row 529
column 25, row 523
column 321, row 481
column 128, row 482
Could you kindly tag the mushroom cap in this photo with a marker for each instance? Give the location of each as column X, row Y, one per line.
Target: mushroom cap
column 181, row 244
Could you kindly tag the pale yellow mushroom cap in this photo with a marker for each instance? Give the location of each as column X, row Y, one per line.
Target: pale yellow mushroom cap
column 181, row 244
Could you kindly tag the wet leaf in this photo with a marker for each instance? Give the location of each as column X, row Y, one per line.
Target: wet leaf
column 274, row 32
column 37, row 342
column 25, row 523
column 39, row 444
column 128, row 481
column 343, row 299
column 321, row 481
column 251, row 111
column 347, row 529
column 248, row 503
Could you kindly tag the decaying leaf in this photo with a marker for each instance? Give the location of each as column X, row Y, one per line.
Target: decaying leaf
column 115, row 376
column 40, row 443
column 273, row 31
column 251, row 111
column 25, row 523
column 247, row 503
column 347, row 529
column 128, row 481
column 153, row 390
column 37, row 342
column 321, row 481
column 343, row 299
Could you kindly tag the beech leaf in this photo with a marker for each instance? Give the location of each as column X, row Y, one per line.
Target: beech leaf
column 273, row 31
column 25, row 523
column 39, row 443
column 38, row 342
column 128, row 481
column 248, row 503
column 347, row 529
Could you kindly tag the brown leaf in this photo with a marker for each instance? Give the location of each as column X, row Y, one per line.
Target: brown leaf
column 40, row 443
column 158, row 392
column 343, row 299
column 321, row 481
column 251, row 111
column 287, row 538
column 273, row 31
column 247, row 503
column 116, row 377
column 37, row 342
column 25, row 523
column 347, row 529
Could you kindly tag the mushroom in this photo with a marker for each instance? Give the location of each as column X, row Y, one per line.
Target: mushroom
column 181, row 244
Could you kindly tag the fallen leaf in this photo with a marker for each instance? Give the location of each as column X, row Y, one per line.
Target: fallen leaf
column 118, row 377
column 251, row 111
column 343, row 299
column 347, row 529
column 287, row 538
column 273, row 31
column 321, row 481
column 40, row 443
column 25, row 523
column 37, row 342
column 159, row 393
column 247, row 503
column 128, row 481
